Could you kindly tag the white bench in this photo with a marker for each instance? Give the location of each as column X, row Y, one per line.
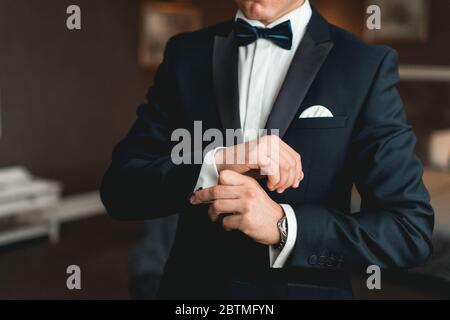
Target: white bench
column 27, row 206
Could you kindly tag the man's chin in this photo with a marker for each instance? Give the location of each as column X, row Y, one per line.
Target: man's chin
column 255, row 11
column 256, row 16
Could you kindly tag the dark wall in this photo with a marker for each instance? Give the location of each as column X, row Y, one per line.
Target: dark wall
column 68, row 97
column 350, row 14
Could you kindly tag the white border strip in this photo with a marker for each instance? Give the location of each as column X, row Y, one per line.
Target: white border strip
column 425, row 73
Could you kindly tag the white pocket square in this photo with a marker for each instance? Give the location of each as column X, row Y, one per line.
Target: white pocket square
column 316, row 112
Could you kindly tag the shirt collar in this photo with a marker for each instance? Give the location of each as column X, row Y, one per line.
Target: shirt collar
column 299, row 19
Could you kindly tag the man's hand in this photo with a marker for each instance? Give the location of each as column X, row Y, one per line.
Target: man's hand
column 271, row 155
column 249, row 207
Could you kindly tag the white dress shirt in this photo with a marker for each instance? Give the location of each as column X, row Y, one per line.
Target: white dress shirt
column 263, row 66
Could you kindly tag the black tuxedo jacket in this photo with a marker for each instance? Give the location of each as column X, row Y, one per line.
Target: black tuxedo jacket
column 367, row 143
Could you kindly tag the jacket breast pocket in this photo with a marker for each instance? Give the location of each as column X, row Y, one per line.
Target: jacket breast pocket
column 320, row 123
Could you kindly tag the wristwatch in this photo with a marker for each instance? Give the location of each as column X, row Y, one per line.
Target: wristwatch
column 283, row 228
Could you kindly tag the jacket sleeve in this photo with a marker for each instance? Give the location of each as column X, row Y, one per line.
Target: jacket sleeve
column 142, row 181
column 394, row 226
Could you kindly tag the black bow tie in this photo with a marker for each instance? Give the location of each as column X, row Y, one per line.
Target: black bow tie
column 246, row 34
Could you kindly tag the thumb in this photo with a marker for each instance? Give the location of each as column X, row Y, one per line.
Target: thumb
column 232, row 178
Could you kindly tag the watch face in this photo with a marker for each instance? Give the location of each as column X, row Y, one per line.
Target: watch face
column 283, row 224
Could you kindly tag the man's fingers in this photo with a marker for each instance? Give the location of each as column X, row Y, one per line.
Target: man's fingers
column 231, row 222
column 214, row 215
column 299, row 171
column 288, row 148
column 231, row 178
column 286, row 167
column 289, row 164
column 265, row 158
column 213, row 193
column 273, row 174
column 295, row 173
column 219, row 207
column 292, row 171
column 298, row 163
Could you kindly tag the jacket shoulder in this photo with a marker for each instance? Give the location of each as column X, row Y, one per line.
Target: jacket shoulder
column 202, row 36
column 356, row 48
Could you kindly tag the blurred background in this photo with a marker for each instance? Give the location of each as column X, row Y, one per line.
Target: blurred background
column 68, row 96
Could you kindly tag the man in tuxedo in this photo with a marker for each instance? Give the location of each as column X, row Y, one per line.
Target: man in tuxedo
column 277, row 65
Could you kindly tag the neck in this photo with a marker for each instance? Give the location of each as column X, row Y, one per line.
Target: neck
column 293, row 6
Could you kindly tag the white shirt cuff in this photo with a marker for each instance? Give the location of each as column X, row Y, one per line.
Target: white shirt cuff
column 208, row 176
column 278, row 258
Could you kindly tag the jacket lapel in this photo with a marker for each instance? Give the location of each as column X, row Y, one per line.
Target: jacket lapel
column 225, row 76
column 310, row 56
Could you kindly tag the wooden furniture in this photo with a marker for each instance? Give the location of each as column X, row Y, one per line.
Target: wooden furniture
column 27, row 206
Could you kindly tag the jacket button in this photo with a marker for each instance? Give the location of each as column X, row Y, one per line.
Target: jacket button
column 339, row 262
column 331, row 262
column 312, row 259
column 322, row 260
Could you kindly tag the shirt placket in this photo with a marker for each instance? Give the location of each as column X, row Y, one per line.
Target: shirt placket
column 256, row 94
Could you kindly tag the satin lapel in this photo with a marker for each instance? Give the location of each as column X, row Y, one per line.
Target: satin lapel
column 225, row 75
column 307, row 62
